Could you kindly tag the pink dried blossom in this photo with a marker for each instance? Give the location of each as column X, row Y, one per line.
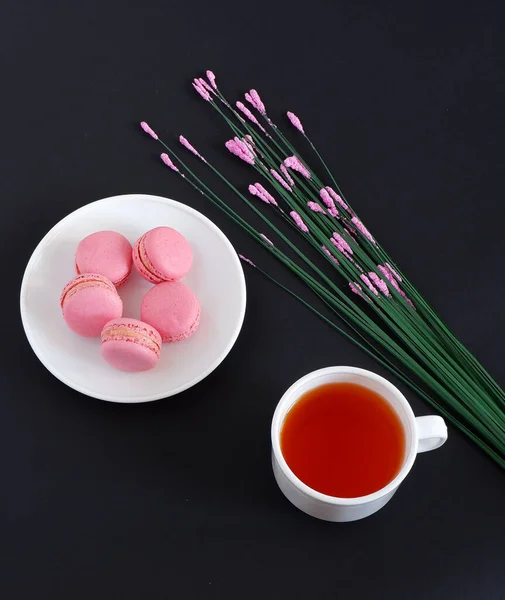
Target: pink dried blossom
column 249, row 115
column 369, row 285
column 328, row 202
column 240, row 149
column 253, row 191
column 212, row 78
column 293, row 162
column 356, row 288
column 280, row 180
column 295, row 121
column 387, row 274
column 341, row 242
column 168, row 161
column 299, row 221
column 379, row 283
column 204, row 84
column 148, row 130
column 393, row 272
column 201, row 90
column 254, row 98
column 385, row 271
column 328, row 253
column 266, row 194
column 336, row 197
column 189, row 147
column 247, row 140
column 287, row 176
column 316, row 208
column 362, row 229
column 249, row 262
column 359, row 292
column 262, row 235
column 246, row 112
column 258, row 190
column 325, row 197
column 341, row 249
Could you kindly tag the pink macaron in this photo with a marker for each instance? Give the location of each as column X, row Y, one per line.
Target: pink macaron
column 162, row 254
column 105, row 252
column 130, row 345
column 173, row 309
column 88, row 302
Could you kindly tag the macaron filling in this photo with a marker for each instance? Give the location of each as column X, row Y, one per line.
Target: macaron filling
column 123, row 332
column 90, row 281
column 146, row 263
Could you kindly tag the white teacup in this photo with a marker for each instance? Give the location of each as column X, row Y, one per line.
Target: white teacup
column 421, row 434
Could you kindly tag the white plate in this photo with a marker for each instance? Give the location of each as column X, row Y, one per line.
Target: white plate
column 216, row 278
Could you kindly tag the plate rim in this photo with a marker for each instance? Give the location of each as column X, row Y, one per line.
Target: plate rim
column 35, row 256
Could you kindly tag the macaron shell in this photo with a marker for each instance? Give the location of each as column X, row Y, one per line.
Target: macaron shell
column 128, row 356
column 163, row 254
column 188, row 332
column 105, row 252
column 130, row 345
column 173, row 309
column 89, row 304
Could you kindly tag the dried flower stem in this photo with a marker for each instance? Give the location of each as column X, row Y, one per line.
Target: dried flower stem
column 416, row 345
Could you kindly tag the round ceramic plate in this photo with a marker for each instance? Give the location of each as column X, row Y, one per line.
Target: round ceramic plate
column 216, row 277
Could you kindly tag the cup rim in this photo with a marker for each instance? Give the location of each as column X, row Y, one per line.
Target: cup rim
column 278, row 417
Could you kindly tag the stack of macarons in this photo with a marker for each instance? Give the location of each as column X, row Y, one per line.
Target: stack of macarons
column 92, row 306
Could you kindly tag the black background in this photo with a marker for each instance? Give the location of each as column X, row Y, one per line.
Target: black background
column 175, row 499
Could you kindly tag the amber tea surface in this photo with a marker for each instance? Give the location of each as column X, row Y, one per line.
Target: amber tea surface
column 344, row 440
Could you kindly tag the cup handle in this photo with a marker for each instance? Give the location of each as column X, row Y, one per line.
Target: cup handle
column 431, row 432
